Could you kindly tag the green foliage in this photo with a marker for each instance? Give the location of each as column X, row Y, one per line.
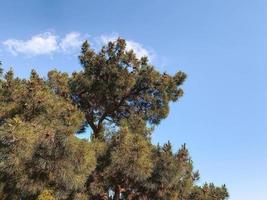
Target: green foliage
column 46, row 195
column 209, row 192
column 37, row 143
column 114, row 85
column 173, row 175
column 34, row 102
column 122, row 98
column 130, row 157
column 130, row 161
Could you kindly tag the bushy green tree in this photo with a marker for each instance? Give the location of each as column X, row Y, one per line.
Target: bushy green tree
column 114, row 84
column 37, row 143
column 122, row 98
column 131, row 162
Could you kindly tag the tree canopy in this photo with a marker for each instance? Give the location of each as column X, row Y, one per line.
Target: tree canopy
column 114, row 84
column 121, row 98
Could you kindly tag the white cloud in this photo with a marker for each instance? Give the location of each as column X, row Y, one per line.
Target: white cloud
column 138, row 48
column 45, row 44
column 71, row 41
column 49, row 43
column 41, row 44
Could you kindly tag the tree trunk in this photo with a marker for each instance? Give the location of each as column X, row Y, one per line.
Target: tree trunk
column 97, row 129
column 117, row 193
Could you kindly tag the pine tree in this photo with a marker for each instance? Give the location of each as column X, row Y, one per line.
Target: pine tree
column 209, row 192
column 122, row 98
column 114, row 85
column 37, row 143
column 131, row 163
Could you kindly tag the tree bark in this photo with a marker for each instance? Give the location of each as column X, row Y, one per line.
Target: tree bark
column 96, row 128
column 117, row 193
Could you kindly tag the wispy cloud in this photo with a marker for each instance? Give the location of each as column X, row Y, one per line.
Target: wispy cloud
column 45, row 44
column 49, row 43
column 71, row 41
column 138, row 48
column 41, row 44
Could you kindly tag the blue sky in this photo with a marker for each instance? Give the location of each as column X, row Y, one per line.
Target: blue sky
column 220, row 44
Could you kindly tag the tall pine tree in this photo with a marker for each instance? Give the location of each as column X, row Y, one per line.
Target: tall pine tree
column 121, row 98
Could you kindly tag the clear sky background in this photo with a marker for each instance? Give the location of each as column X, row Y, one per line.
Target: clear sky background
column 220, row 44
